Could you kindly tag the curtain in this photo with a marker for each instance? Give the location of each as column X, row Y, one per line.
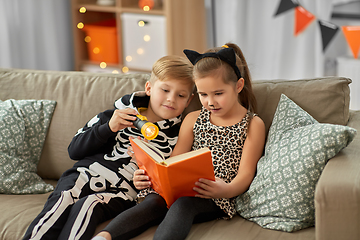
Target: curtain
column 268, row 41
column 36, row 34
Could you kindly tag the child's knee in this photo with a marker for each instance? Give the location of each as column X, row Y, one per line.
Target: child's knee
column 183, row 203
column 155, row 201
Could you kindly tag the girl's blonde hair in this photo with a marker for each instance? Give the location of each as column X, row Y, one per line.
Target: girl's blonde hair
column 210, row 66
column 173, row 67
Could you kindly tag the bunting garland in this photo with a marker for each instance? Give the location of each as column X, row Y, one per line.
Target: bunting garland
column 286, row 5
column 328, row 31
column 304, row 18
column 352, row 35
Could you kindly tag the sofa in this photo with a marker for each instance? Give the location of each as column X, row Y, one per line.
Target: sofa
column 81, row 95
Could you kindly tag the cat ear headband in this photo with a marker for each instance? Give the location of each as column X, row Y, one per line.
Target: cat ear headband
column 227, row 55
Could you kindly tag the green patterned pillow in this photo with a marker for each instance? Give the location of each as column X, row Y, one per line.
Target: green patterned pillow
column 281, row 196
column 23, row 128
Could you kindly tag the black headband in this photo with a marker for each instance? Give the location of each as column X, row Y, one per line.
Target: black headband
column 227, row 55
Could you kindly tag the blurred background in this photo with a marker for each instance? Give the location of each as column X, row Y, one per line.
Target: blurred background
column 44, row 34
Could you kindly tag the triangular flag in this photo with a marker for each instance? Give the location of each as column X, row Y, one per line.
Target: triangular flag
column 328, row 31
column 352, row 35
column 302, row 19
column 286, row 5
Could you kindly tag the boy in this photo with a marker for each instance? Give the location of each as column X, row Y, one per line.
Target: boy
column 99, row 186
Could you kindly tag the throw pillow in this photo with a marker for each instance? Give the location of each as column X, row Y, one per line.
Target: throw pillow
column 281, row 196
column 23, row 128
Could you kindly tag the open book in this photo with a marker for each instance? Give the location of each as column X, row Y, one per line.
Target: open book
column 176, row 176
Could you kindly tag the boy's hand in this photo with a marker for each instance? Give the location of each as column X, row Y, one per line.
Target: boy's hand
column 141, row 180
column 122, row 118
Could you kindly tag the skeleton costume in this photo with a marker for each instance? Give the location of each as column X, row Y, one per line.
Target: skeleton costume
column 99, row 186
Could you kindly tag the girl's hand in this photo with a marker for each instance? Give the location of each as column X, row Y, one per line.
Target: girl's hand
column 141, row 180
column 122, row 118
column 212, row 189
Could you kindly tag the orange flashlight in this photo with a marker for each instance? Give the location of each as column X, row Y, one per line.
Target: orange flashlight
column 148, row 129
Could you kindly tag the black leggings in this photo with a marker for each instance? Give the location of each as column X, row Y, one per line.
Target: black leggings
column 175, row 223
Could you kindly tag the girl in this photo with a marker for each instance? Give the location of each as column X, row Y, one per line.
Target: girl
column 228, row 126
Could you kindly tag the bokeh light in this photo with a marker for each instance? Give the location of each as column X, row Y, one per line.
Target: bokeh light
column 103, row 65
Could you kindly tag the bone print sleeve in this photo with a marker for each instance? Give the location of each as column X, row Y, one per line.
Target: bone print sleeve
column 93, row 137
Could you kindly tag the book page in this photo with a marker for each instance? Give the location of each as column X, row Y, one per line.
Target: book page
column 154, row 152
column 186, row 155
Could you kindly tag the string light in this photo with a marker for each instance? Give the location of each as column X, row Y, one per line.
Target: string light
column 103, row 65
column 80, row 25
column 128, row 58
column 146, row 38
column 96, row 50
column 87, row 39
column 146, row 5
column 82, row 10
column 125, row 69
column 141, row 23
column 140, row 51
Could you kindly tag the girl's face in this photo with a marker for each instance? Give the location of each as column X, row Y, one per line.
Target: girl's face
column 168, row 98
column 220, row 98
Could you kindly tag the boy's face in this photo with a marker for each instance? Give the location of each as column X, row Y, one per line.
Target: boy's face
column 168, row 99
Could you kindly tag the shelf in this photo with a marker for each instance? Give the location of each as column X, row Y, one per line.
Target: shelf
column 140, row 11
column 98, row 8
column 184, row 26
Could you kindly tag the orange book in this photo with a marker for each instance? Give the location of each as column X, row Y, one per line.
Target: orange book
column 176, row 176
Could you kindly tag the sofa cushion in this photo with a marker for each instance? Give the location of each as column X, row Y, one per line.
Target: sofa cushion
column 79, row 96
column 23, row 128
column 281, row 196
column 326, row 99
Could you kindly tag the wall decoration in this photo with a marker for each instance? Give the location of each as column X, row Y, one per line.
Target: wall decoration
column 328, row 31
column 352, row 35
column 286, row 5
column 304, row 18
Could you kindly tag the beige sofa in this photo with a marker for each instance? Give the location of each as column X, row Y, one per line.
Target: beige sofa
column 81, row 95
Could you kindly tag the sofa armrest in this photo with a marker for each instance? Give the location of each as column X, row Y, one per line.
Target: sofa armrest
column 337, row 194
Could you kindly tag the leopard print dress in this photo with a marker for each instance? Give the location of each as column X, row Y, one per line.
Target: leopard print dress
column 226, row 145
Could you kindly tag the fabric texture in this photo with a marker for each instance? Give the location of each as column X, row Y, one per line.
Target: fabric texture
column 281, row 196
column 226, row 145
column 99, row 186
column 325, row 99
column 23, row 128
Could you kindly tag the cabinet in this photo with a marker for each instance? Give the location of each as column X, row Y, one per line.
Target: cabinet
column 183, row 20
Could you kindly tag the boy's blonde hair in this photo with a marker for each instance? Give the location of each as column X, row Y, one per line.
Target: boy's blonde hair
column 174, row 68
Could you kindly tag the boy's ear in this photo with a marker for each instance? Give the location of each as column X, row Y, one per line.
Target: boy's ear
column 189, row 100
column 240, row 85
column 148, row 88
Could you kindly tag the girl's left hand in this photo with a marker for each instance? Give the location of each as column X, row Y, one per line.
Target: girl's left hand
column 212, row 189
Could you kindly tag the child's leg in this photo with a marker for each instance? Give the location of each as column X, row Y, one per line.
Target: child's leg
column 181, row 215
column 137, row 219
column 90, row 211
column 48, row 224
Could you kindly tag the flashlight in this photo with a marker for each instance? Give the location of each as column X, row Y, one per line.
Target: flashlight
column 148, row 129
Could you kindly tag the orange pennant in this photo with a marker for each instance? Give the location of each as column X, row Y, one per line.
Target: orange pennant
column 302, row 19
column 352, row 35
